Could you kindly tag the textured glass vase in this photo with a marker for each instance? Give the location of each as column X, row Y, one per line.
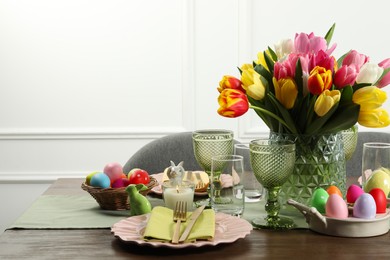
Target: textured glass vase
column 320, row 162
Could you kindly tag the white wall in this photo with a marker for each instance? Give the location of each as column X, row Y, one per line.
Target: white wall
column 84, row 83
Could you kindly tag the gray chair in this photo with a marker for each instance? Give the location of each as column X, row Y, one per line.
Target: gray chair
column 155, row 156
column 354, row 165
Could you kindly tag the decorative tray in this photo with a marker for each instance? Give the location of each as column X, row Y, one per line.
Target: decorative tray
column 349, row 227
column 227, row 230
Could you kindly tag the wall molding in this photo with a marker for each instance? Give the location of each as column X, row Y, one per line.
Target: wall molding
column 38, row 177
column 88, row 133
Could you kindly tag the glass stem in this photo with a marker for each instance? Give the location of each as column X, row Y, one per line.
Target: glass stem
column 272, row 206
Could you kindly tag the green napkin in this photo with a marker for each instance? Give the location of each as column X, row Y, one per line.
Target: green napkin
column 161, row 225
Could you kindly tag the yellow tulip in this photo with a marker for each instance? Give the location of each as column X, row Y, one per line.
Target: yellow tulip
column 374, row 118
column 369, row 98
column 286, row 91
column 325, row 101
column 252, row 84
column 261, row 59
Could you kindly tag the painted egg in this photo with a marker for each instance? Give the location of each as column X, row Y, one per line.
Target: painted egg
column 318, row 199
column 336, row 207
column 121, row 182
column 380, row 200
column 364, row 207
column 100, row 180
column 353, row 192
column 113, row 170
column 334, row 190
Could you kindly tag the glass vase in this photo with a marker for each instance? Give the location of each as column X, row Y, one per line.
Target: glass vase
column 320, row 162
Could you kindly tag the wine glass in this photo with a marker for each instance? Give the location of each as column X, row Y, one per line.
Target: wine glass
column 272, row 163
column 208, row 143
column 350, row 137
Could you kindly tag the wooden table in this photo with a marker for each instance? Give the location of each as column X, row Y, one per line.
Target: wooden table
column 101, row 244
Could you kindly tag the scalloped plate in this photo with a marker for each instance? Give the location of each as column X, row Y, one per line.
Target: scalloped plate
column 228, row 229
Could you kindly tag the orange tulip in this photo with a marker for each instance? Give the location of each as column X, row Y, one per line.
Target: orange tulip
column 232, row 103
column 320, row 79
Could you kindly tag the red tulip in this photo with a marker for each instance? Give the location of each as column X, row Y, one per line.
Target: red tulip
column 232, row 103
column 320, row 79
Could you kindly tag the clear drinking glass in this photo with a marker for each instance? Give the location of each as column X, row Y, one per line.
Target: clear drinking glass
column 254, row 191
column 272, row 163
column 376, row 164
column 226, row 189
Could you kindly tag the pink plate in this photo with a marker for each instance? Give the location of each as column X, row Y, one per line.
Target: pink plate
column 227, row 230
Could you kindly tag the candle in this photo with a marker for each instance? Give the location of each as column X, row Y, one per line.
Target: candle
column 172, row 194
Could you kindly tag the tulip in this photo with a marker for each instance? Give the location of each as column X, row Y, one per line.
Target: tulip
column 386, row 78
column 322, row 59
column 320, row 79
column 286, row 91
column 369, row 73
column 369, row 98
column 374, row 118
column 326, row 101
column 232, row 103
column 283, row 48
column 353, row 58
column 345, row 76
column 252, row 84
column 309, row 43
column 261, row 59
column 229, row 82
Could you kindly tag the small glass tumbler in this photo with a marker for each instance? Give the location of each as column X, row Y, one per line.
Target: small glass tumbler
column 227, row 190
column 254, row 191
column 181, row 192
column 376, row 165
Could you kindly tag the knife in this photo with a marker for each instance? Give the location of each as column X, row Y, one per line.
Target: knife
column 195, row 215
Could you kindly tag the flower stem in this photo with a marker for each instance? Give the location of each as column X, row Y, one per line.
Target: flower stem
column 279, row 119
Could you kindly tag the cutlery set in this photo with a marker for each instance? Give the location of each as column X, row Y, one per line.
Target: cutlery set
column 179, row 216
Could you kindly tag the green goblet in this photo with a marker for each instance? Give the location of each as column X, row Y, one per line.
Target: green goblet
column 272, row 163
column 350, row 137
column 209, row 143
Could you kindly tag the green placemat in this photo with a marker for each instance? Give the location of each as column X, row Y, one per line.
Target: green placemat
column 83, row 212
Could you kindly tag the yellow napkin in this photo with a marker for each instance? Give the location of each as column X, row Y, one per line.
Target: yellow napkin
column 161, row 225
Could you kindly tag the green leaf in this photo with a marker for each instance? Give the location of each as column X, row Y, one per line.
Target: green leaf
column 345, row 117
column 273, row 54
column 299, row 77
column 329, row 34
column 263, row 72
column 346, row 95
column 319, row 122
column 284, row 113
column 270, row 63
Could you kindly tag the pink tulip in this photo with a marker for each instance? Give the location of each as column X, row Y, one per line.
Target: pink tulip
column 386, row 78
column 345, row 76
column 353, row 58
column 309, row 43
column 322, row 59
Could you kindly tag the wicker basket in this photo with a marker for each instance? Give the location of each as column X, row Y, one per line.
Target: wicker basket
column 114, row 198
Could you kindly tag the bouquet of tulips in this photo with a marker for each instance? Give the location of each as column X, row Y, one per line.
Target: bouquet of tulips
column 300, row 88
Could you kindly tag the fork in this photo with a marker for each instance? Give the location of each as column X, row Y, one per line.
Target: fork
column 179, row 215
column 200, row 184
